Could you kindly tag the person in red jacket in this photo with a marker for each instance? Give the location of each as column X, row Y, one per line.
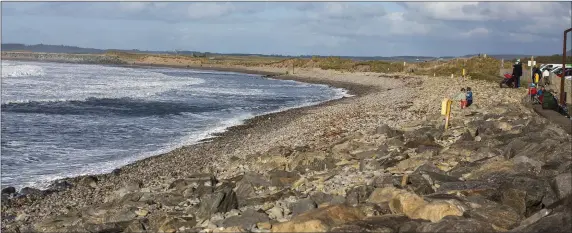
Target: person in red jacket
column 532, row 91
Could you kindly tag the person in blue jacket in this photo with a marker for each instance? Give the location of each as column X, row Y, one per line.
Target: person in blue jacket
column 469, row 97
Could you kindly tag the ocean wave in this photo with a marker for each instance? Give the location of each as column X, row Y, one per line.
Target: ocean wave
column 108, row 106
column 228, row 91
column 12, row 71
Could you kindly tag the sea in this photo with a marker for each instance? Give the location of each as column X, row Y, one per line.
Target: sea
column 63, row 120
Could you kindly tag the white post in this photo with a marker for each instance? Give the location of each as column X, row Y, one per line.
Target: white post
column 531, row 65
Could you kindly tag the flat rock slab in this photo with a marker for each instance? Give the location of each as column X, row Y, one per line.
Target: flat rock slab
column 320, row 220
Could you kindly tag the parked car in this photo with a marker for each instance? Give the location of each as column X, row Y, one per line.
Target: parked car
column 556, row 70
column 567, row 73
column 549, row 67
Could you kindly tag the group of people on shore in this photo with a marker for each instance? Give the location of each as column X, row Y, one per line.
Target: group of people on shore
column 537, row 75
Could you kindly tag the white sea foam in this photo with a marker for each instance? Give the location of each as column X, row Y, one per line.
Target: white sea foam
column 14, row 71
column 77, row 82
column 43, row 181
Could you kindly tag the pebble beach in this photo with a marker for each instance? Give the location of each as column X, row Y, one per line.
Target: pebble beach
column 379, row 160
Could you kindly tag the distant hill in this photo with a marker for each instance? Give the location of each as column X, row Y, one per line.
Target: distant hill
column 42, row 48
column 50, row 48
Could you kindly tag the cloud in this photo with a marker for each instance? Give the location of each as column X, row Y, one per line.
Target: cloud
column 366, row 28
column 162, row 11
column 475, row 32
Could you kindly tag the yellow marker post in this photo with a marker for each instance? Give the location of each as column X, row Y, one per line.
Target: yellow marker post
column 446, row 111
column 463, row 72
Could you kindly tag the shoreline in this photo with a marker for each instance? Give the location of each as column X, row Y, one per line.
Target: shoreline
column 233, row 131
column 275, row 172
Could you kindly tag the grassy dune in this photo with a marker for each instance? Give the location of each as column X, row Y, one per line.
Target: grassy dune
column 476, row 67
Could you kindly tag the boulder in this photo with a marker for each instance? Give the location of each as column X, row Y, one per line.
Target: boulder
column 391, row 159
column 456, row 224
column 386, row 223
column 58, row 223
column 9, row 190
column 222, row 200
column 163, row 198
column 320, row 220
column 558, row 222
column 555, row 218
column 534, row 189
column 471, row 187
column 421, row 140
column 359, row 194
column 124, row 214
column 126, row 188
column 111, row 227
column 169, row 222
column 498, row 215
column 369, row 165
column 136, row 226
column 395, row 142
column 89, row 181
column 281, row 178
column 562, row 184
column 423, row 180
column 31, row 192
column 245, row 187
column 516, row 199
column 321, row 197
column 414, row 206
column 383, row 181
column 173, row 224
column 408, row 164
column 513, row 147
column 387, row 131
column 281, row 194
column 244, row 190
column 303, row 205
column 520, row 159
column 246, row 219
column 59, row 185
column 466, row 136
column 195, row 180
column 279, row 151
column 370, row 209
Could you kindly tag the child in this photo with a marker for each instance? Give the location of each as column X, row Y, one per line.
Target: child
column 469, row 98
column 461, row 96
column 532, row 91
column 540, row 94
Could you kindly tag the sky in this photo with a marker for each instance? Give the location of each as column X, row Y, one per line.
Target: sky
column 295, row 28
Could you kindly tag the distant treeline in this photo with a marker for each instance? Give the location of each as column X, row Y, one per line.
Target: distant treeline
column 554, row 59
column 43, row 48
column 50, row 49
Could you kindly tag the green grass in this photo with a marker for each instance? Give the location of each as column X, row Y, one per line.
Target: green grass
column 480, row 68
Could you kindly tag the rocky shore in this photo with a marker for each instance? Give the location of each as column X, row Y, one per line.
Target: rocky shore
column 380, row 161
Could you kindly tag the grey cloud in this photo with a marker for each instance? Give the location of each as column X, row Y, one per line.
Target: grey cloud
column 307, row 27
column 162, row 11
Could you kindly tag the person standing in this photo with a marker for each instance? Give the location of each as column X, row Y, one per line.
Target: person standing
column 536, row 74
column 517, row 72
column 545, row 76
